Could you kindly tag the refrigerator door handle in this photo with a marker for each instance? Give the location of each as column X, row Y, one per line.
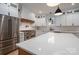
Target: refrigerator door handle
column 2, row 20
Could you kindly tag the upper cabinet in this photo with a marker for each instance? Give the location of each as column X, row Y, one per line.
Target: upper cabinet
column 60, row 20
column 75, row 19
column 70, row 19
column 9, row 9
column 13, row 9
column 63, row 20
column 57, row 21
column 4, row 8
column 40, row 22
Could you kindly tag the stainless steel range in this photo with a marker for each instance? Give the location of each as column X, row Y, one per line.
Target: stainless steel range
column 8, row 33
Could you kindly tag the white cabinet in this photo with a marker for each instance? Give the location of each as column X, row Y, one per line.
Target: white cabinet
column 57, row 20
column 75, row 19
column 69, row 20
column 13, row 9
column 63, row 20
column 4, row 8
column 72, row 19
column 26, row 13
column 8, row 9
column 40, row 22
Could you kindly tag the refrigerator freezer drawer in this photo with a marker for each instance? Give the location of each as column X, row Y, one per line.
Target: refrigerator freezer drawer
column 7, row 49
column 7, row 43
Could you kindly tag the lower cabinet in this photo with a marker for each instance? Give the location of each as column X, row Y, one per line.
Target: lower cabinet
column 71, row 19
column 22, row 52
column 29, row 34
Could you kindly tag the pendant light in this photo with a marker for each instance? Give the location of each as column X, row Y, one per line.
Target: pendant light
column 58, row 11
column 52, row 4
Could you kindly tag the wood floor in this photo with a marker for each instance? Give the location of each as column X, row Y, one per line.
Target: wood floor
column 15, row 52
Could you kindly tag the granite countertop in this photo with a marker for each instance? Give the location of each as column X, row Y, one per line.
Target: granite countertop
column 52, row 44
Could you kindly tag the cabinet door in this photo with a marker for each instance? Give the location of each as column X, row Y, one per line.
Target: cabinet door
column 58, row 21
column 40, row 22
column 4, row 8
column 75, row 19
column 43, row 20
column 63, row 20
column 37, row 22
column 13, row 9
column 69, row 20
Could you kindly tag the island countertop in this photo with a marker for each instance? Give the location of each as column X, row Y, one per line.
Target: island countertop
column 52, row 44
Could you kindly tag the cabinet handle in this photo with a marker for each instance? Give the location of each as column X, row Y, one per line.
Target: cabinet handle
column 9, row 13
column 72, row 24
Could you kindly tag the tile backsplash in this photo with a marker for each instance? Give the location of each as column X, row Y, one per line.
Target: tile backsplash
column 24, row 25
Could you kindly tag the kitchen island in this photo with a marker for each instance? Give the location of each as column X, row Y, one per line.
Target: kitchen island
column 50, row 44
column 28, row 34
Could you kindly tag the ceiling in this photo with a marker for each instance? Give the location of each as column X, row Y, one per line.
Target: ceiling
column 44, row 9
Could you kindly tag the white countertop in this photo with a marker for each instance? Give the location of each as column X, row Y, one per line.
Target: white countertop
column 52, row 44
column 62, row 31
column 26, row 28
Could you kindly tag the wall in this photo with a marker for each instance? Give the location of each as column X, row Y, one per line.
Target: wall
column 27, row 14
column 4, row 8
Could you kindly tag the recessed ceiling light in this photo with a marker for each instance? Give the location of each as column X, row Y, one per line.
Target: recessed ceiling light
column 52, row 4
column 40, row 12
column 73, row 3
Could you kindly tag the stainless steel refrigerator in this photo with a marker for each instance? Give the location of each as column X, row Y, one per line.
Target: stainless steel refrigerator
column 9, row 28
